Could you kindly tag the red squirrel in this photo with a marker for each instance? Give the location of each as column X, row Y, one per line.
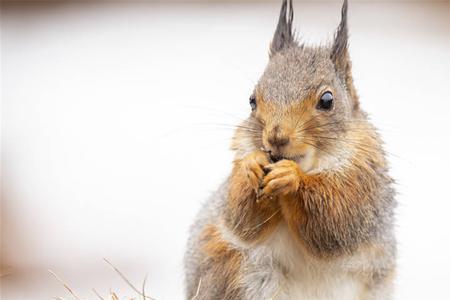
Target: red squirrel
column 308, row 209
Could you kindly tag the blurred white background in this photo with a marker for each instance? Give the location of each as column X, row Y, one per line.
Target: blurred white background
column 113, row 131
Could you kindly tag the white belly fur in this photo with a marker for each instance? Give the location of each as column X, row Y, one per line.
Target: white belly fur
column 279, row 270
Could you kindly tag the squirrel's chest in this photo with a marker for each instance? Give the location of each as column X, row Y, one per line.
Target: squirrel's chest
column 278, row 270
column 319, row 287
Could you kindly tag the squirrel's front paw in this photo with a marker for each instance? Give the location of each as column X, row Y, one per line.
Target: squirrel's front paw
column 282, row 178
column 253, row 167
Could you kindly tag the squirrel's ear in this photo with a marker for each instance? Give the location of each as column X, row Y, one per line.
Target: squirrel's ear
column 339, row 50
column 341, row 57
column 284, row 36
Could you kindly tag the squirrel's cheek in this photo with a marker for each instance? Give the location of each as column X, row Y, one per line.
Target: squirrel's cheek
column 308, row 161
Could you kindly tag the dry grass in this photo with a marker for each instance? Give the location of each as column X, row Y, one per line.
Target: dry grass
column 140, row 293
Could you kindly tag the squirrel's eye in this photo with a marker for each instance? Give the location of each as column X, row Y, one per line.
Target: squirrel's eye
column 326, row 101
column 253, row 102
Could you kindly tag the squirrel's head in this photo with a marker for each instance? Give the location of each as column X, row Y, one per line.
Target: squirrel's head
column 305, row 102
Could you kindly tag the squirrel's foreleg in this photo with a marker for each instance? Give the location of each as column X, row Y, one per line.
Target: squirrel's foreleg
column 247, row 218
column 334, row 213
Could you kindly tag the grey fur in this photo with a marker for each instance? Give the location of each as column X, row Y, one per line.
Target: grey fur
column 340, row 43
column 284, row 35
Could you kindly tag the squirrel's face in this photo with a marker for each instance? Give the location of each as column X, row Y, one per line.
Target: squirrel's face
column 303, row 104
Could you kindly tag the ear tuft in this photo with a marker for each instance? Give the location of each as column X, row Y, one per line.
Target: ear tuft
column 339, row 50
column 284, row 36
column 341, row 57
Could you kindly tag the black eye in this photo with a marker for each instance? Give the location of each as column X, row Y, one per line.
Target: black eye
column 326, row 101
column 253, row 102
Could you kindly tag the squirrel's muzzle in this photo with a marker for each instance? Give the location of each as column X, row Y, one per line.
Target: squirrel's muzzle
column 277, row 139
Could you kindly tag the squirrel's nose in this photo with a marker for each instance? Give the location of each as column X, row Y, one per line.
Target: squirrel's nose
column 277, row 139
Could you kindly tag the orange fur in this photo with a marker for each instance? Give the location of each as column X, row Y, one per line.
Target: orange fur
column 249, row 219
column 328, row 202
column 225, row 260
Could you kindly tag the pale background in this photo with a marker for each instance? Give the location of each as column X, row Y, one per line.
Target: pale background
column 113, row 131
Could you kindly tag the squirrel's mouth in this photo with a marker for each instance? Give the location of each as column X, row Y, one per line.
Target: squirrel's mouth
column 275, row 158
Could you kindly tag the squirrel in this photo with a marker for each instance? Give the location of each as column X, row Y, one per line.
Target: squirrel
column 308, row 209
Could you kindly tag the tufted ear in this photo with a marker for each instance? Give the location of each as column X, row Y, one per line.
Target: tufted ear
column 341, row 57
column 339, row 50
column 284, row 36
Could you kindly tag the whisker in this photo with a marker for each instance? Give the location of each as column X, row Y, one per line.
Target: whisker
column 307, row 122
column 334, row 123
